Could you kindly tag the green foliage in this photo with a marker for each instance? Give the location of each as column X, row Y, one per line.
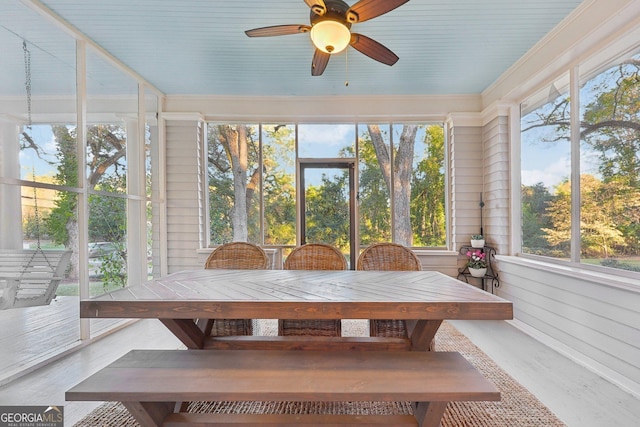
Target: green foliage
column 329, row 218
column 327, row 212
column 374, row 199
column 108, row 215
column 428, row 192
column 63, row 214
column 535, row 200
column 113, row 270
column 614, row 263
column 610, row 202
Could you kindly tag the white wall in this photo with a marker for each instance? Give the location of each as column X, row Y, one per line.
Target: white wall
column 184, row 202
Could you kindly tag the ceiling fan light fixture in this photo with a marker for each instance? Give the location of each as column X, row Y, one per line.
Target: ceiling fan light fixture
column 330, row 36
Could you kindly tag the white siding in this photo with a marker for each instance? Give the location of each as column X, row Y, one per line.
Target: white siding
column 466, row 156
column 496, row 188
column 184, row 194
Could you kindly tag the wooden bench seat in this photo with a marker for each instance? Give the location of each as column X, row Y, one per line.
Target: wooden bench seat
column 153, row 383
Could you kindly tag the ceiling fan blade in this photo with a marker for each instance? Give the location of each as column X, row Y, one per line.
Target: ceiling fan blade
column 373, row 49
column 369, row 9
column 319, row 63
column 278, row 30
column 318, row 6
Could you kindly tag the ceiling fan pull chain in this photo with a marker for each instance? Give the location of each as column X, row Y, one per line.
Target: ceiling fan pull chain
column 346, row 56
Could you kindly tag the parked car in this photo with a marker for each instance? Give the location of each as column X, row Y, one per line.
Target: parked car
column 100, row 249
column 98, row 252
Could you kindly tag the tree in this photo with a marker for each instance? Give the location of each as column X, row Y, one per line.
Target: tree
column 610, row 137
column 428, row 192
column 402, row 179
column 535, row 200
column 375, row 214
column 234, row 151
column 327, row 212
column 105, row 152
column 599, row 235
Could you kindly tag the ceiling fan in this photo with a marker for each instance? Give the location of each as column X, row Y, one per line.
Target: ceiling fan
column 330, row 32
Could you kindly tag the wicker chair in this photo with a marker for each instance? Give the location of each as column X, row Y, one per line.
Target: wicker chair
column 235, row 256
column 313, row 256
column 388, row 257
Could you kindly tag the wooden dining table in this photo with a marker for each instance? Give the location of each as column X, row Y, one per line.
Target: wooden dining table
column 184, row 301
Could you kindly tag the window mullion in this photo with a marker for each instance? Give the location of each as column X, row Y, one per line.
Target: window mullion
column 575, row 163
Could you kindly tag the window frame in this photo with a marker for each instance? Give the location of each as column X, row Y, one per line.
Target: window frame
column 578, row 73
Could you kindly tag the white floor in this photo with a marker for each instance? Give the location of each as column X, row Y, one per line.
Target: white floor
column 577, row 396
column 47, row 385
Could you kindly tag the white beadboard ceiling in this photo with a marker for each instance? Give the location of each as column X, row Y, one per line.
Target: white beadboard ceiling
column 198, row 47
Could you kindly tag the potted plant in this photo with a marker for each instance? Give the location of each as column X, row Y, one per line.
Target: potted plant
column 477, row 263
column 477, row 241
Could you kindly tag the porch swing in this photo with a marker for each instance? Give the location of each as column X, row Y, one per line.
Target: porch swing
column 31, row 277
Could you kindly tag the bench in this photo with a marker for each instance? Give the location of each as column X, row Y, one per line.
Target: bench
column 152, row 384
column 30, row 277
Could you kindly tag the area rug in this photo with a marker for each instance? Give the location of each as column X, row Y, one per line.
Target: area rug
column 518, row 407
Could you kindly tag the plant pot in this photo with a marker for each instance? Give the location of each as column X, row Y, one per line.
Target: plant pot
column 477, row 243
column 478, row 272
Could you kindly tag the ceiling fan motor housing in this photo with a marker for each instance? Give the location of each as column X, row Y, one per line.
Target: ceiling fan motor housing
column 336, row 10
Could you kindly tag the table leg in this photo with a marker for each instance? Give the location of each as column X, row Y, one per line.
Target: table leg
column 149, row 414
column 187, row 331
column 421, row 333
column 429, row 414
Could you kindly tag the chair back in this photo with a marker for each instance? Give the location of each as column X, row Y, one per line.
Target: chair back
column 315, row 256
column 234, row 256
column 237, row 256
column 388, row 257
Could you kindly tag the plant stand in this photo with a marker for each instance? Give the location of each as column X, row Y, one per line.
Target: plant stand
column 490, row 279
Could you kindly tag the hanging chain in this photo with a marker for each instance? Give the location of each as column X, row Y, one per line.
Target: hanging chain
column 36, row 214
column 36, row 219
column 27, row 82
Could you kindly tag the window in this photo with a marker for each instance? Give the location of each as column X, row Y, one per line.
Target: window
column 610, row 166
column 546, row 172
column 608, row 148
column 265, row 188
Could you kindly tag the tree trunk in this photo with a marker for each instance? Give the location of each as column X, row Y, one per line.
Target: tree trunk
column 402, row 184
column 238, row 151
column 72, row 244
column 402, row 179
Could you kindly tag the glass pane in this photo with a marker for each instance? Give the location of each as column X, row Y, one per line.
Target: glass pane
column 404, row 146
column 428, row 188
column 373, row 198
column 112, row 114
column 45, row 224
column 327, row 207
column 326, row 140
column 279, row 189
column 38, row 91
column 610, row 166
column 107, row 247
column 46, row 151
column 234, row 183
column 546, row 172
